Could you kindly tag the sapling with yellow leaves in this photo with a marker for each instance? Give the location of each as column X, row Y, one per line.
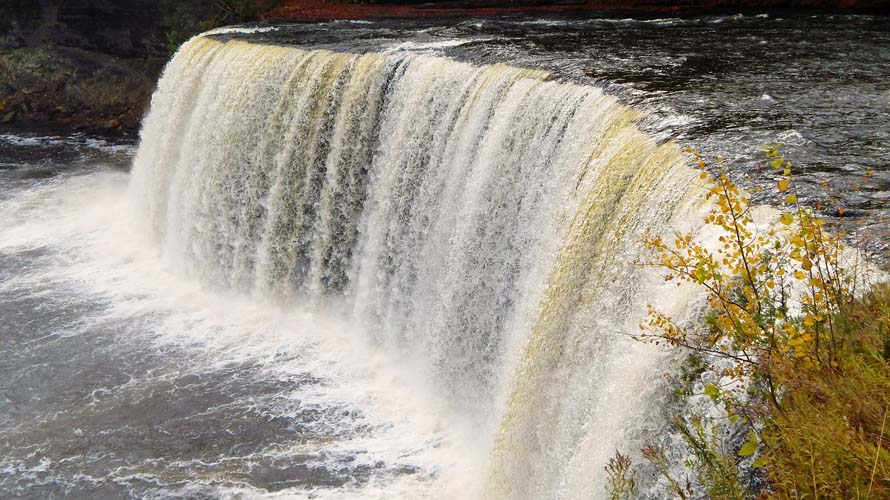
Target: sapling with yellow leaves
column 772, row 289
column 803, row 350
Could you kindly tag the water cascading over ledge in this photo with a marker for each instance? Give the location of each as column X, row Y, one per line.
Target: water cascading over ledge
column 480, row 222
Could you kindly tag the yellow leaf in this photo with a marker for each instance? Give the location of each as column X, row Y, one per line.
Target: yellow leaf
column 799, row 275
column 783, row 185
column 777, row 163
column 787, row 171
column 791, row 198
column 787, row 218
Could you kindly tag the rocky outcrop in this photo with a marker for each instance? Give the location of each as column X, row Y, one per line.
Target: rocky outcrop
column 94, row 63
column 88, row 64
column 73, row 87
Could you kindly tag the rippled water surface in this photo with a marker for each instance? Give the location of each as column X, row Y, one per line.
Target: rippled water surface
column 727, row 85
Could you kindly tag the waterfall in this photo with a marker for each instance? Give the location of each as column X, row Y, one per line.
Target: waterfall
column 482, row 223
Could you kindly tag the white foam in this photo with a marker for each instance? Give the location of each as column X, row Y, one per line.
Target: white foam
column 247, row 30
column 98, row 249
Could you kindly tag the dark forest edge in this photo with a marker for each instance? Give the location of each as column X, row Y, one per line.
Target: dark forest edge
column 93, row 65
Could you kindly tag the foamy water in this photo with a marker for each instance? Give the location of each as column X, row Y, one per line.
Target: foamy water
column 350, row 418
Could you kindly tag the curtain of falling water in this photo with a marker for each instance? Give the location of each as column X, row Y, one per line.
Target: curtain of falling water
column 480, row 221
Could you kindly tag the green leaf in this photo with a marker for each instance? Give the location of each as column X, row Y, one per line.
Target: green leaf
column 711, row 391
column 777, row 162
column 759, row 462
column 747, row 449
column 750, row 445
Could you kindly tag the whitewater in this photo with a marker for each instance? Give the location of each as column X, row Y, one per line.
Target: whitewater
column 480, row 225
column 340, row 275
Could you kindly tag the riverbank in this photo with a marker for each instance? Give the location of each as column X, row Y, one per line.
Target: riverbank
column 75, row 88
column 93, row 65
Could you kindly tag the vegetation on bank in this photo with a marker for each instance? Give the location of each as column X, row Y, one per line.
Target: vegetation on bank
column 797, row 339
column 93, row 64
column 182, row 20
column 19, row 14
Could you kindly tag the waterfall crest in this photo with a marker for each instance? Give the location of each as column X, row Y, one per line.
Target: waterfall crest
column 483, row 222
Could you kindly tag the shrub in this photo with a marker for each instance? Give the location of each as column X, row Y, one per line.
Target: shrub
column 805, row 352
column 182, row 20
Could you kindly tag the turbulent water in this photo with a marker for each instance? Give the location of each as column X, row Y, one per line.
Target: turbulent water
column 337, row 274
column 479, row 222
column 725, row 84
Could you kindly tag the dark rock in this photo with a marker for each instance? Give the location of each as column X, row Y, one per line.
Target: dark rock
column 87, row 64
column 77, row 88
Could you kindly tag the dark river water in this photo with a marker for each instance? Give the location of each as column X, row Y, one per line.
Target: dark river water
column 120, row 379
column 726, row 85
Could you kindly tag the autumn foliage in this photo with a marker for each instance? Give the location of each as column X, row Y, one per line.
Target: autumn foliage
column 798, row 337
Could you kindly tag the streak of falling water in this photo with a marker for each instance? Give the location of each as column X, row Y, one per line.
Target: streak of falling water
column 480, row 223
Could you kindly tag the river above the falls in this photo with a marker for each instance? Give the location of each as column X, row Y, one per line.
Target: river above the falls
column 724, row 84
